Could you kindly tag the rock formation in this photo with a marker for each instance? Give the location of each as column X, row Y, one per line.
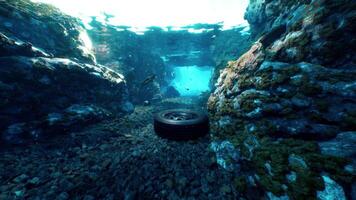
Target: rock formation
column 47, row 84
column 293, row 89
column 45, row 27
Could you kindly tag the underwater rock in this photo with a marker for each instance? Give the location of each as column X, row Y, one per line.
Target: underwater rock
column 332, row 191
column 292, row 177
column 294, row 90
column 228, row 45
column 33, row 87
column 294, row 160
column 227, row 155
column 319, row 32
column 342, row 146
column 9, row 47
column 71, row 119
column 128, row 107
column 307, row 102
column 271, row 196
column 146, row 103
column 46, row 27
column 14, row 133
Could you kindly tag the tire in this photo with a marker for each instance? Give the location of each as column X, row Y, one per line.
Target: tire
column 181, row 124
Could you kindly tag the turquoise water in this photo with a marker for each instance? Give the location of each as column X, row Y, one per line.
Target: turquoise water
column 192, row 80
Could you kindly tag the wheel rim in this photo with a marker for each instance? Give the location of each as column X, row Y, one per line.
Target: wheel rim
column 180, row 116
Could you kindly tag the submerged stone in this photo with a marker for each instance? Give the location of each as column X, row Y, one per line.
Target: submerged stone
column 342, row 146
column 295, row 160
column 226, row 154
column 332, row 191
column 271, row 196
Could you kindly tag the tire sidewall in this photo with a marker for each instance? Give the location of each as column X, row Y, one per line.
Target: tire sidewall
column 181, row 130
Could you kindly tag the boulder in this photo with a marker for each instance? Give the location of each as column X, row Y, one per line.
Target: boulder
column 47, row 28
column 343, row 145
column 320, row 32
column 293, row 89
column 332, row 191
column 71, row 119
column 10, row 47
column 33, row 87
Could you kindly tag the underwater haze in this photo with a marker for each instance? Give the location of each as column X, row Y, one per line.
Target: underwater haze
column 204, row 99
column 192, row 80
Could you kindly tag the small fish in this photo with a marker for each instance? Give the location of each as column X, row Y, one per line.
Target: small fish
column 148, row 80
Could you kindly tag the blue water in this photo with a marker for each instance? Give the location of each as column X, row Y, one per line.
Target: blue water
column 192, row 80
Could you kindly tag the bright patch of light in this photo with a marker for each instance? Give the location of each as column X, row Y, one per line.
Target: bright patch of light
column 162, row 13
column 192, row 80
column 84, row 37
column 87, row 47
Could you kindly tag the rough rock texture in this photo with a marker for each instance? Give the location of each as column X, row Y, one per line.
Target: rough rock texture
column 32, row 87
column 290, row 90
column 71, row 119
column 45, row 27
column 332, row 190
column 228, row 45
column 317, row 31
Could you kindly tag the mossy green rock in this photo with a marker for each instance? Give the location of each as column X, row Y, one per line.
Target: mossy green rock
column 289, row 96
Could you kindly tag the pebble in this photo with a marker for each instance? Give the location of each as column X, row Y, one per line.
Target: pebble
column 21, row 179
column 88, row 197
column 130, row 195
column 106, row 163
column 205, row 187
column 103, row 147
column 169, row 183
column 225, row 189
column 34, row 181
column 182, row 181
column 210, row 177
column 66, row 185
column 8, row 24
column 19, row 193
column 63, row 196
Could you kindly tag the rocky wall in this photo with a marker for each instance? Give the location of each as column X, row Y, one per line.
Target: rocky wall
column 284, row 113
column 47, row 28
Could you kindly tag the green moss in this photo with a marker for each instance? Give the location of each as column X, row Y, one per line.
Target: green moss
column 308, row 180
column 244, row 82
column 273, row 78
column 291, row 70
column 350, row 120
column 336, row 77
column 240, row 183
column 248, row 106
column 308, row 87
column 227, row 109
column 269, row 184
column 322, row 105
column 331, row 164
column 305, row 187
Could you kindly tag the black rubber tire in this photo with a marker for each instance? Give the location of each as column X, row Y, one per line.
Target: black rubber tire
column 195, row 126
